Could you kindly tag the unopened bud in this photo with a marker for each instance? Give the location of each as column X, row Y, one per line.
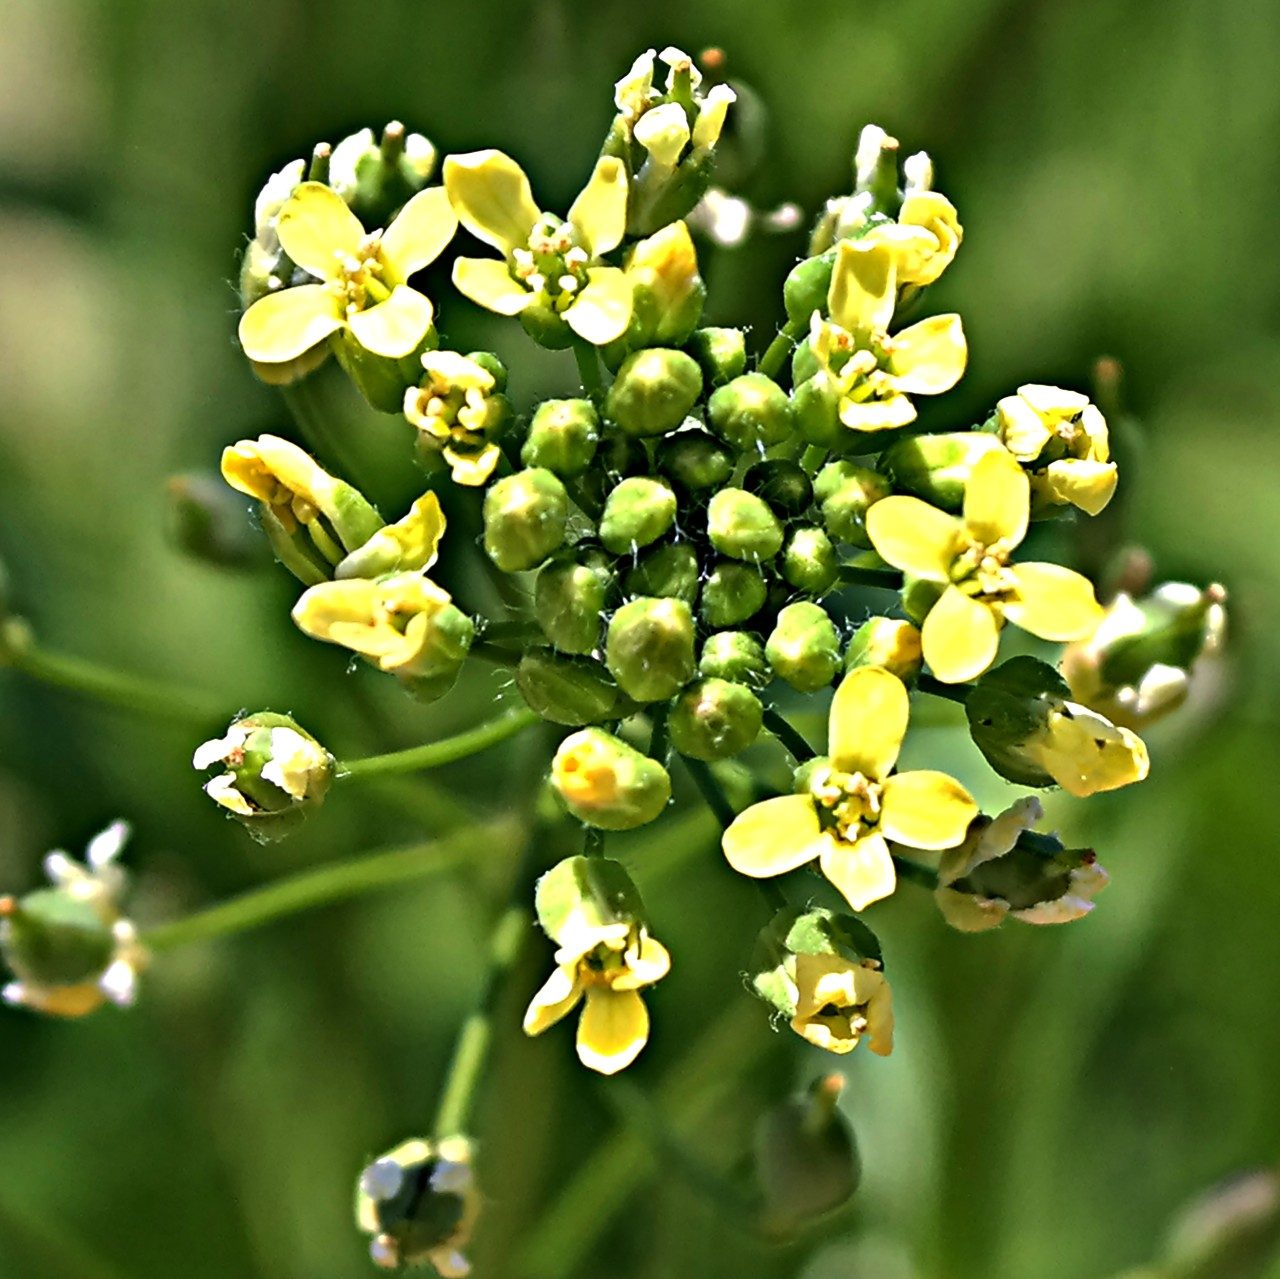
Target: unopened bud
column 375, row 177
column 751, row 413
column 694, row 462
column 525, row 516
column 654, row 391
column 721, row 353
column 809, row 561
column 608, row 784
column 844, row 493
column 586, row 894
column 569, row 690
column 668, row 571
column 569, row 599
column 782, row 483
column 563, row 437
column 732, row 593
column 667, row 291
column 805, row 288
column 636, row 513
column 649, row 648
column 736, row 656
column 742, row 526
column 714, row 719
column 804, row 647
column 888, row 642
column 936, row 468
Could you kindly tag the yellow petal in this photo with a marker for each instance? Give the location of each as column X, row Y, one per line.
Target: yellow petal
column 1053, row 402
column 488, row 283
column 960, row 637
column 774, row 836
column 491, row 196
column 868, row 721
column 929, row 358
column 418, row 234
column 1079, row 482
column 472, row 469
column 926, row 810
column 709, row 125
column 557, row 998
column 602, row 311
column 282, row 326
column 394, row 328
column 863, row 287
column 862, row 872
column 997, row 500
column 914, row 536
column 599, row 214
column 408, row 545
column 317, row 230
column 876, row 415
column 647, row 963
column 1086, row 754
column 1023, row 430
column 613, row 1029
column 663, row 131
column 1053, row 602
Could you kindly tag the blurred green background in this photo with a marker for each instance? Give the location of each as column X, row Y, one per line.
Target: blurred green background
column 1056, row 1095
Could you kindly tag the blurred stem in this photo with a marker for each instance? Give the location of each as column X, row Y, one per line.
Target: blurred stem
column 325, row 884
column 588, row 361
column 312, row 411
column 776, row 353
column 952, row 692
column 914, row 872
column 435, row 754
column 658, row 734
column 519, row 634
column 887, row 579
column 788, row 735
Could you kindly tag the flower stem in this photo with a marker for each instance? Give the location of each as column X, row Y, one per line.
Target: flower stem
column 777, row 351
column 494, row 653
column 788, row 735
column 914, row 872
column 435, row 754
column 308, row 406
column 935, row 687
column 588, row 362
column 887, row 579
column 592, row 842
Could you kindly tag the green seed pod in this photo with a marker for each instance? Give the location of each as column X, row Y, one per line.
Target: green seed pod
column 804, row 648
column 735, row 656
column 563, row 436
column 607, row 784
column 844, row 492
column 568, row 690
column 809, row 561
column 654, row 391
column 732, row 593
column 936, row 468
column 805, row 289
column 742, row 526
column 525, row 515
column 714, row 719
column 569, row 599
column 752, row 412
column 649, row 648
column 782, row 483
column 694, row 461
column 637, row 513
column 206, row 521
column 815, row 409
column 721, row 353
column 889, row 642
column 667, row 572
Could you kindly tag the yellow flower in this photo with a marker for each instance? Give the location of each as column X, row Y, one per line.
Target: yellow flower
column 546, row 261
column 1062, row 438
column 838, row 1003
column 856, row 803
column 661, row 126
column 457, row 412
column 363, row 277
column 923, row 240
column 969, row 557
column 870, row 372
column 410, row 544
column 606, row 964
column 1086, row 753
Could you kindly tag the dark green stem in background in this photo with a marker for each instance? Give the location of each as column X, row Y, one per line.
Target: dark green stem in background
column 588, row 362
column 313, row 415
column 434, row 754
column 935, row 687
column 887, row 579
column 592, row 841
column 914, row 872
column 780, row 348
column 788, row 735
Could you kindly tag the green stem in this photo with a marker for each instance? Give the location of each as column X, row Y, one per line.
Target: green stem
column 435, row 754
column 588, row 362
column 935, row 687
column 776, row 353
column 311, row 413
column 887, row 579
column 323, row 884
column 494, row 653
column 658, row 735
column 592, row 842
column 518, row 634
column 788, row 735
column 914, row 872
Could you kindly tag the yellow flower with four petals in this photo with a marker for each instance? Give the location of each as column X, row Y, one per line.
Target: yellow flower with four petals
column 456, row 410
column 924, row 239
column 839, row 1003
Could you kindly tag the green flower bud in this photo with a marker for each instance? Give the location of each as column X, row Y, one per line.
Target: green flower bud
column 815, row 409
column 721, row 353
column 275, row 772
column 732, row 593
column 636, row 513
column 844, row 492
column 207, row 522
column 752, row 412
column 742, row 526
column 547, row 327
column 376, row 178
column 606, row 784
column 585, row 894
column 563, row 437
column 782, row 483
column 654, row 391
column 919, row 595
column 806, row 287
column 809, row 561
column 735, row 656
column 714, row 719
column 889, row 642
column 569, row 599
column 50, row 938
column 693, row 461
column 569, row 690
column 804, row 647
column 525, row 517
column 649, row 648
column 936, row 468
column 666, row 290
column 669, row 571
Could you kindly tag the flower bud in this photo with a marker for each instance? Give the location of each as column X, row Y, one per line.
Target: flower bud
column 275, row 773
column 888, row 642
column 732, row 593
column 376, row 178
column 563, row 437
column 721, row 354
column 419, row 1202
column 669, row 571
column 407, row 546
column 809, row 561
column 782, row 483
column 714, row 719
column 693, row 461
column 264, row 267
column 649, row 648
column 207, row 522
column 805, row 289
column 607, row 784
column 525, row 516
column 844, row 493
column 667, row 292
column 384, row 381
column 751, row 413
column 804, row 647
column 654, row 391
column 569, row 599
column 569, row 690
column 636, row 513
column 742, row 526
column 936, row 468
column 735, row 656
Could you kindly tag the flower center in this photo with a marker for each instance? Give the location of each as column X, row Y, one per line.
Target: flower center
column 359, row 283
column 983, row 570
column 851, row 801
column 553, row 263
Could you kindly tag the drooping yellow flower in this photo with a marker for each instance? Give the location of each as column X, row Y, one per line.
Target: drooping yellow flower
column 923, row 240
column 606, row 964
column 1062, row 439
column 839, row 1003
column 856, row 803
column 363, row 289
column 546, row 261
column 457, row 412
column 1085, row 753
column 970, row 558
column 870, row 372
